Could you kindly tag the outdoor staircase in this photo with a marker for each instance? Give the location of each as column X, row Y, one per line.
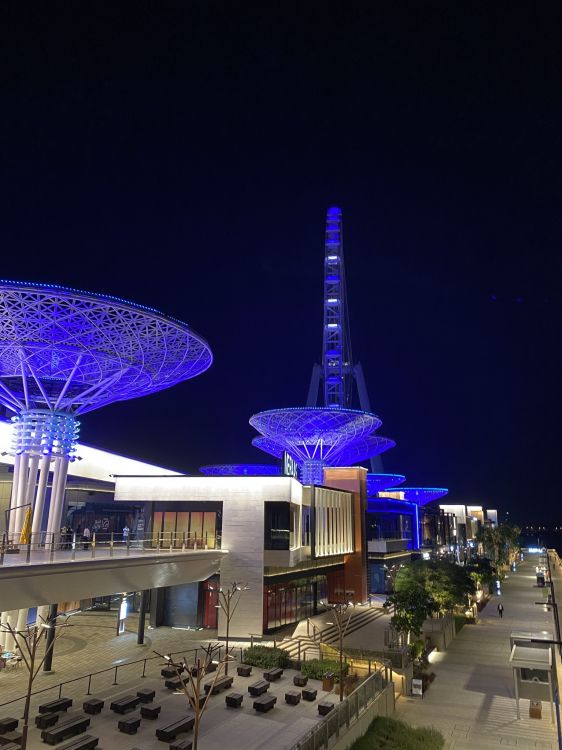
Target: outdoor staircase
column 307, row 647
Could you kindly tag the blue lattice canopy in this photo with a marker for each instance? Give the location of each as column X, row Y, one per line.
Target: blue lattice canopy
column 72, row 351
column 241, row 470
column 378, row 482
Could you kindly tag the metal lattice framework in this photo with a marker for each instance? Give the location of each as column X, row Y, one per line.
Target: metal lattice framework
column 64, row 352
column 378, row 482
column 241, row 470
column 316, row 437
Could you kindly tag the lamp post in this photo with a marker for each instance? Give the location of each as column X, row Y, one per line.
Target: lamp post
column 342, row 617
column 229, row 599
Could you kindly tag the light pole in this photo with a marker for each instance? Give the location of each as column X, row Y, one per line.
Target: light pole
column 342, row 617
column 229, row 599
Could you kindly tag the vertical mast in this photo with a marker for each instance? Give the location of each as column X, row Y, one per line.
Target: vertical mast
column 336, row 349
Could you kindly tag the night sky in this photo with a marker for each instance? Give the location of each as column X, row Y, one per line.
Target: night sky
column 183, row 155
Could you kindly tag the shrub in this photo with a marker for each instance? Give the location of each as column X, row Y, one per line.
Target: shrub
column 266, row 656
column 460, row 622
column 391, row 734
column 317, row 668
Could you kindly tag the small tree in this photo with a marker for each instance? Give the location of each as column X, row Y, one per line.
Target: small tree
column 412, row 606
column 192, row 687
column 342, row 617
column 229, row 599
column 27, row 642
column 446, row 584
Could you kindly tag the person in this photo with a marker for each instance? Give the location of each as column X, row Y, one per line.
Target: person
column 86, row 537
column 500, row 609
column 126, row 533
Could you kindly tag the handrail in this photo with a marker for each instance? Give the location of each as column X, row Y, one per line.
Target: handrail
column 70, row 547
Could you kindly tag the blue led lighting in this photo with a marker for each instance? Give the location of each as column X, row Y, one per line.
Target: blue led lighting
column 378, row 482
column 423, row 495
column 241, row 470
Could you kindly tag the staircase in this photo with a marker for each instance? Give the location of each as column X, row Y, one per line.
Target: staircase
column 308, row 647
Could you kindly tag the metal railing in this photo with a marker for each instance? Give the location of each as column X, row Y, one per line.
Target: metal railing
column 346, row 713
column 63, row 547
column 149, row 664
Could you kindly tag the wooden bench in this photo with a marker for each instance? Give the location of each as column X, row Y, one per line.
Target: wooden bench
column 211, row 667
column 42, row 721
column 93, row 706
column 264, row 703
column 129, row 725
column 176, row 683
column 234, row 700
column 223, row 683
column 128, row 703
column 11, row 738
column 244, row 670
column 181, row 745
column 81, row 743
column 292, row 697
column 324, row 707
column 170, row 732
column 8, row 724
column 146, row 695
column 300, row 680
column 150, row 712
column 309, row 694
column 273, row 674
column 65, row 729
column 61, row 704
column 169, row 672
column 259, row 687
column 12, row 746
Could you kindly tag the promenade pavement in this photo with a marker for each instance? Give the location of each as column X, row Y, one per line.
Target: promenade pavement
column 472, row 699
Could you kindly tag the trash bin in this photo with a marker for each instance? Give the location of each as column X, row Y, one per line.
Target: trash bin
column 535, row 710
column 328, row 681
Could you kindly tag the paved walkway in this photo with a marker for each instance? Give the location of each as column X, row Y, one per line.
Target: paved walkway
column 472, row 699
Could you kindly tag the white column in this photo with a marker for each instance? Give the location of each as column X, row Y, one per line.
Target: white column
column 14, row 496
column 40, row 496
column 57, row 495
column 22, row 492
column 11, row 619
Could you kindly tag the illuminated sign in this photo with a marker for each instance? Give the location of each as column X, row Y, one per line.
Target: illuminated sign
column 290, row 468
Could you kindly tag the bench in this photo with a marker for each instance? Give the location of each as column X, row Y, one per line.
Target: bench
column 93, row 706
column 169, row 733
column 259, row 687
column 176, row 684
column 146, row 695
column 309, row 694
column 223, row 683
column 211, row 667
column 129, row 725
column 234, row 700
column 8, row 724
column 181, row 745
column 300, row 680
column 12, row 746
column 168, row 672
column 324, row 707
column 244, row 670
column 150, row 712
column 292, row 697
column 127, row 703
column 42, row 721
column 65, row 729
column 264, row 703
column 81, row 743
column 61, row 704
column 273, row 674
column 11, row 738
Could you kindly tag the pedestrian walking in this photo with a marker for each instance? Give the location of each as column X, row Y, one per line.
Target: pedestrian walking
column 126, row 531
column 500, row 610
column 86, row 537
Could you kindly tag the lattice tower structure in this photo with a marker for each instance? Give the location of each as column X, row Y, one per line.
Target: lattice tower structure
column 65, row 352
column 241, row 470
column 316, row 437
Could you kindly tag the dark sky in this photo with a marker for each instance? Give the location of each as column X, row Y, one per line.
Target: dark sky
column 183, row 155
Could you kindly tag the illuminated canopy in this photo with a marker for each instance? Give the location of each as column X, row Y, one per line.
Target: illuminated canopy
column 319, row 436
column 67, row 350
column 423, row 495
column 378, row 482
column 240, row 470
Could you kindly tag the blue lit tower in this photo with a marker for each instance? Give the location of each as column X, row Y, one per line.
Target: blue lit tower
column 337, row 373
column 64, row 352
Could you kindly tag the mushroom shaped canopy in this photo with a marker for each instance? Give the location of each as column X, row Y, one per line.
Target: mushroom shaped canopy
column 378, row 482
column 68, row 350
column 240, row 470
column 423, row 495
column 338, row 437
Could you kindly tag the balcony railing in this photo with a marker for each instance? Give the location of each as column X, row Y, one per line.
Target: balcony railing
column 57, row 547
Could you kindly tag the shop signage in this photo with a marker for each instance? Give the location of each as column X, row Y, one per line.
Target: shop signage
column 290, row 468
column 417, row 687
